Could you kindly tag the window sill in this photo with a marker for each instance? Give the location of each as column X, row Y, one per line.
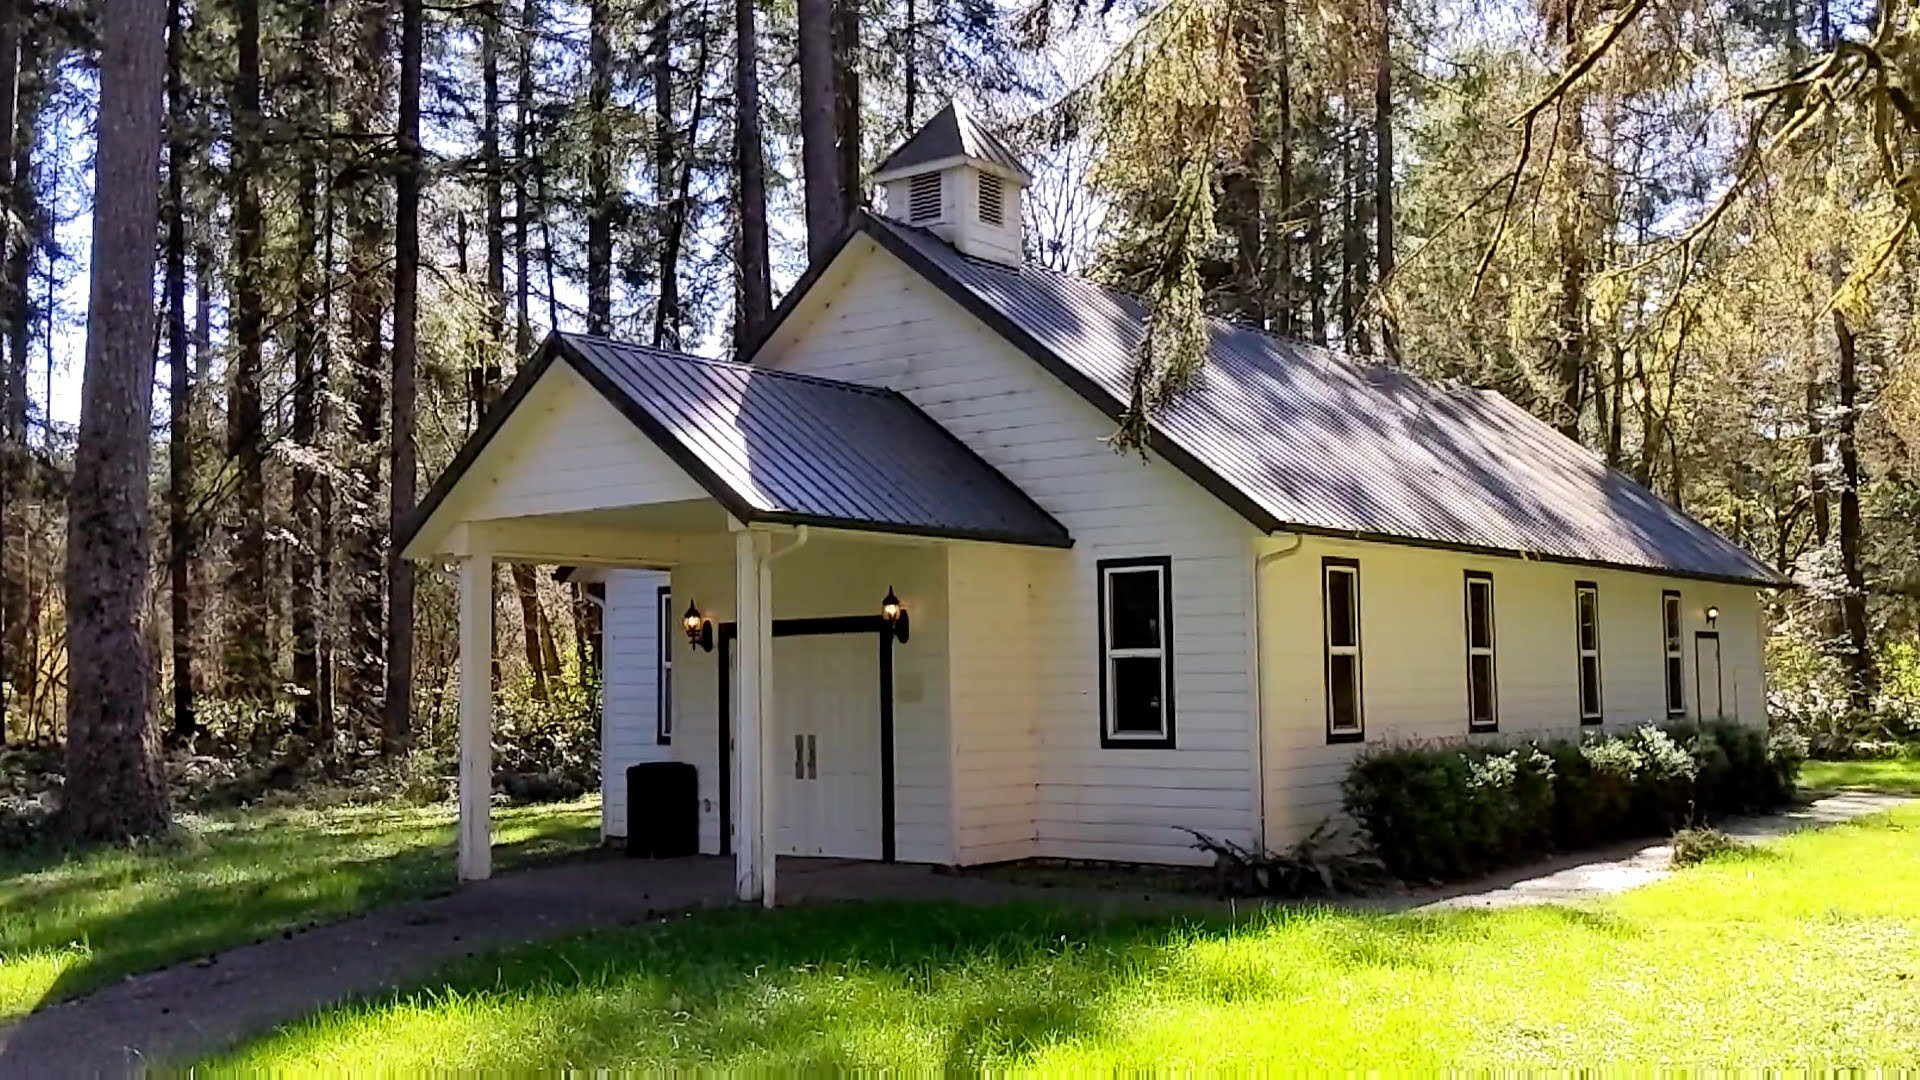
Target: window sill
column 1334, row 737
column 1136, row 742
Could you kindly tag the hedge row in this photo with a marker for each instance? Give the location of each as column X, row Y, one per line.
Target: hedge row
column 1441, row 812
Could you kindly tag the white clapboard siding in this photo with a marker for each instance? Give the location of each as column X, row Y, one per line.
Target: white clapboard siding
column 884, row 325
column 837, row 576
column 566, row 449
column 629, row 717
column 994, row 703
column 1413, row 659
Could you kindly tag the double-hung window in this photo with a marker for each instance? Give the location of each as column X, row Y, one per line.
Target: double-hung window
column 668, row 626
column 1586, row 619
column 1676, row 669
column 1483, row 710
column 1340, row 603
column 1136, row 652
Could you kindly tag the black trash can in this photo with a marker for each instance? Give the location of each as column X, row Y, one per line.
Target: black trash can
column 663, row 810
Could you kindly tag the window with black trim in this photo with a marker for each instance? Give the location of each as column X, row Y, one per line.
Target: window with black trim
column 664, row 664
column 1483, row 709
column 1586, row 619
column 1676, row 668
column 1340, row 604
column 1136, row 652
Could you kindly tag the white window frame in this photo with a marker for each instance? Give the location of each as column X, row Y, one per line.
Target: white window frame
column 1581, row 591
column 1483, row 580
column 1330, row 566
column 663, row 665
column 1110, row 736
column 1673, row 651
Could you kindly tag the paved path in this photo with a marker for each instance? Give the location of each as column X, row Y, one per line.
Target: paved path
column 183, row 1012
column 1595, row 875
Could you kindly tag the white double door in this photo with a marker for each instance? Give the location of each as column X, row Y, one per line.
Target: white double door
column 826, row 750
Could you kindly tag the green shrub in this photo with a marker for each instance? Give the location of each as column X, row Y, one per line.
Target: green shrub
column 1440, row 812
column 1691, row 846
column 547, row 750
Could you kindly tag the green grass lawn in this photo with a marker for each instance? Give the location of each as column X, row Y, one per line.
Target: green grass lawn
column 1804, row 952
column 1897, row 775
column 70, row 922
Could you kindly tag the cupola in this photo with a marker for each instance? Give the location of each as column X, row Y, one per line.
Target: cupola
column 956, row 180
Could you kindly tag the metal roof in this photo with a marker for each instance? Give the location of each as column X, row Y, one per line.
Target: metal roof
column 1300, row 438
column 952, row 133
column 794, row 449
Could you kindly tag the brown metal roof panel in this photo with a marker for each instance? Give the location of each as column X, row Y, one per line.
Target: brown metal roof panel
column 1320, row 442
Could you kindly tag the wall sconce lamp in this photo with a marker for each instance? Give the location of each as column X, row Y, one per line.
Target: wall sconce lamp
column 699, row 629
column 1713, row 616
column 895, row 616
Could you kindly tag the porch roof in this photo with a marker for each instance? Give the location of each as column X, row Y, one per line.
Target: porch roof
column 774, row 447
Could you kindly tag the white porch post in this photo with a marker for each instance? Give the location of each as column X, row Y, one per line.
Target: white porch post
column 476, row 716
column 753, row 593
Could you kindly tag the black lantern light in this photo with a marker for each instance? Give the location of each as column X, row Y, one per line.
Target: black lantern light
column 1713, row 616
column 699, row 629
column 895, row 616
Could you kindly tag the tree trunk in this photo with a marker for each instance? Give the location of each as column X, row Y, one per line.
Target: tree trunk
column 1862, row 672
column 114, row 786
column 307, row 596
column 819, row 125
column 248, row 653
column 846, row 97
column 1817, row 463
column 668, row 315
column 363, row 682
column 180, row 545
column 1383, row 162
column 526, row 590
column 25, row 235
column 524, row 105
column 13, row 459
column 496, row 269
column 754, row 304
column 1244, row 186
column 1281, row 237
column 600, row 195
column 667, row 159
column 1570, row 320
column 1351, row 248
column 398, row 732
column 910, row 63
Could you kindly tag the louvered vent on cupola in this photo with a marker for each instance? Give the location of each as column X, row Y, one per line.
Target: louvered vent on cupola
column 993, row 206
column 957, row 180
column 923, row 198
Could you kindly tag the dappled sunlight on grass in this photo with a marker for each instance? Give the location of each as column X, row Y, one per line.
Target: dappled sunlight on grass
column 1810, row 951
column 1897, row 775
column 68, row 924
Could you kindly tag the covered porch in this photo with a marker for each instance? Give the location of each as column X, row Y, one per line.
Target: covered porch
column 781, row 507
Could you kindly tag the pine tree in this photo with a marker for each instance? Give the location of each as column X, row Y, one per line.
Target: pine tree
column 114, row 787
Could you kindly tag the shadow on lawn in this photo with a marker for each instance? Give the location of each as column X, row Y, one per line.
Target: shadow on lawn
column 196, row 896
column 839, row 986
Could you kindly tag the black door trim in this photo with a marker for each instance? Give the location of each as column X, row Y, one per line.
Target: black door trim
column 837, row 624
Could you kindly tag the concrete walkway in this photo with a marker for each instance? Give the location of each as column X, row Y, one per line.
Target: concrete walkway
column 181, row 1013
column 1599, row 874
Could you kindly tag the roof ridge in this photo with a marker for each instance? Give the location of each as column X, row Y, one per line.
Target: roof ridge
column 737, row 365
column 1337, row 355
